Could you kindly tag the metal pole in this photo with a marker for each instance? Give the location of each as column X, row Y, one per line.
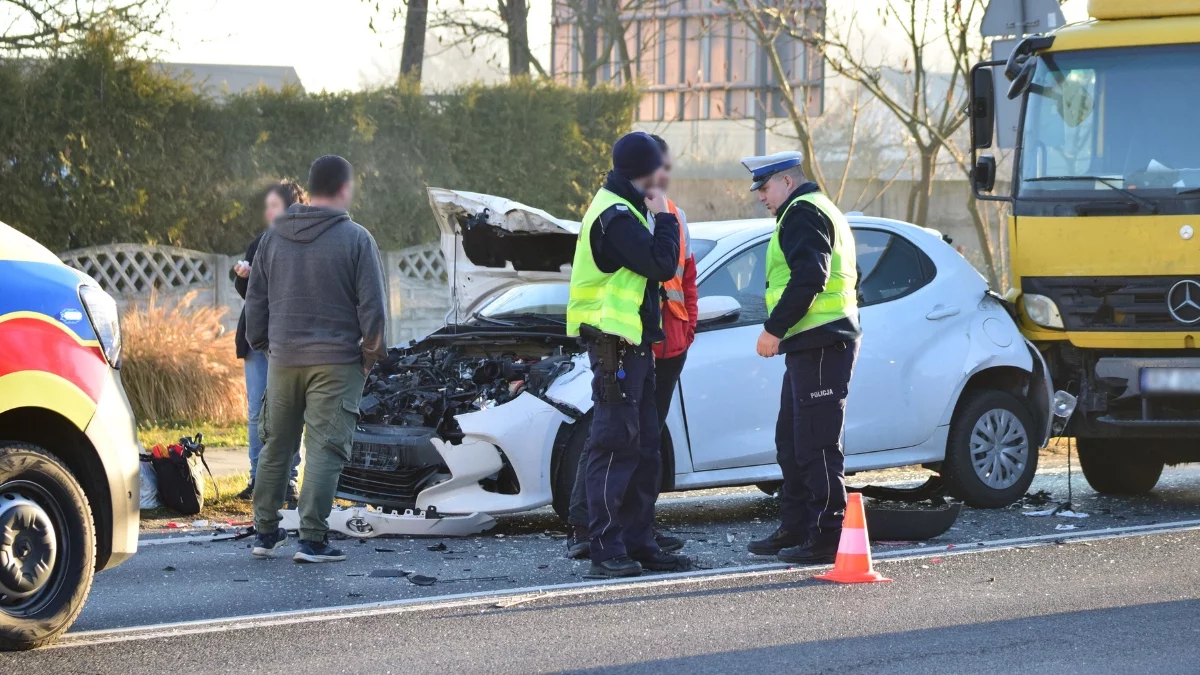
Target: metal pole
column 760, row 116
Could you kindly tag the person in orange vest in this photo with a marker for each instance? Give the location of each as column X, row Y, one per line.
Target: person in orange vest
column 679, row 312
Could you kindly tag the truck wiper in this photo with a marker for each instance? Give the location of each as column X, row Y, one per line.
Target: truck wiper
column 1107, row 182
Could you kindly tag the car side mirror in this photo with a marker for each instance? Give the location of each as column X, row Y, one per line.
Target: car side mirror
column 983, row 107
column 713, row 308
column 983, row 176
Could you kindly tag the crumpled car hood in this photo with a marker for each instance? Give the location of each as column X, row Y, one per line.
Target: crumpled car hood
column 492, row 243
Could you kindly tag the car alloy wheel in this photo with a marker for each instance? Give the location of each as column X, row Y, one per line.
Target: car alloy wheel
column 999, row 448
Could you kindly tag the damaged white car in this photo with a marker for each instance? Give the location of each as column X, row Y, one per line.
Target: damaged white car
column 489, row 414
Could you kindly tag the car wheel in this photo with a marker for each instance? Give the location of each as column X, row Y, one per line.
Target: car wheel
column 47, row 547
column 568, row 468
column 771, row 488
column 1112, row 467
column 990, row 455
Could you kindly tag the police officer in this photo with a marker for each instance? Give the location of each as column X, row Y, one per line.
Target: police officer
column 813, row 322
column 628, row 245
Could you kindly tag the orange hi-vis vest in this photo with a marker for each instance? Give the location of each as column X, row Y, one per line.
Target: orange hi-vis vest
column 674, row 287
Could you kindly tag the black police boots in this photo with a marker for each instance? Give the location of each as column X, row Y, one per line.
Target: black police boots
column 667, row 543
column 666, row 562
column 823, row 551
column 776, row 542
column 620, row 566
column 579, row 543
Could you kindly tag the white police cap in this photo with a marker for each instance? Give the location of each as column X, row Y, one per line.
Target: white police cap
column 763, row 167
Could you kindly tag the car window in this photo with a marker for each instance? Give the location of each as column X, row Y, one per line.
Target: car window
column 744, row 278
column 889, row 267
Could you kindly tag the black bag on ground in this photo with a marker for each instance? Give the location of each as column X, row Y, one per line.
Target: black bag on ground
column 180, row 482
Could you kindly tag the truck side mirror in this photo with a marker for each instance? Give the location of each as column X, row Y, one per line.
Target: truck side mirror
column 983, row 176
column 983, row 107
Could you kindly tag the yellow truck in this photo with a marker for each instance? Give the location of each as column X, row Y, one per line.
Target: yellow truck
column 1104, row 207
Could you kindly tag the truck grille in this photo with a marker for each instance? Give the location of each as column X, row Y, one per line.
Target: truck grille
column 1109, row 303
column 389, row 466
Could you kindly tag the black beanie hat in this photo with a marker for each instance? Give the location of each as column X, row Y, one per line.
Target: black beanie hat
column 636, row 155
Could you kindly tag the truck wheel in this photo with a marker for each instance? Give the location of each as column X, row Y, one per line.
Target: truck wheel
column 1113, row 467
column 47, row 547
column 990, row 457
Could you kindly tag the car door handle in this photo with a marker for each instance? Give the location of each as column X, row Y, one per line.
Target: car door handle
column 942, row 312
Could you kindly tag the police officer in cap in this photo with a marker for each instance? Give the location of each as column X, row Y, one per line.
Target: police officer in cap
column 813, row 323
column 628, row 245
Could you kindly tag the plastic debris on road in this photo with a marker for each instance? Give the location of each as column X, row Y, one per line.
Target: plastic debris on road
column 1064, row 526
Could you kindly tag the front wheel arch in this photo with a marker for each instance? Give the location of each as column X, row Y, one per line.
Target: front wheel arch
column 61, row 438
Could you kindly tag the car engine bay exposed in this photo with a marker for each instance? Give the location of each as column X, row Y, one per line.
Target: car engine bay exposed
column 428, row 385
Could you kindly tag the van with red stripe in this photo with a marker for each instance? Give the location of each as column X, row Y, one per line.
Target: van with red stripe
column 68, row 445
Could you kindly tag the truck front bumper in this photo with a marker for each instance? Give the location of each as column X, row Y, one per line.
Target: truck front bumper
column 113, row 433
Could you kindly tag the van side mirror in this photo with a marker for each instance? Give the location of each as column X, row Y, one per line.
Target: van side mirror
column 983, row 107
column 983, row 176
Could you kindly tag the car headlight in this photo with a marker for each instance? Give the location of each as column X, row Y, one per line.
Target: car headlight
column 1042, row 311
column 102, row 312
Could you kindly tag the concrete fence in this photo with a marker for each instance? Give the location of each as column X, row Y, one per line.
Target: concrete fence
column 418, row 292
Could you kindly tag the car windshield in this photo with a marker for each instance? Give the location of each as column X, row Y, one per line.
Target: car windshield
column 1112, row 122
column 545, row 299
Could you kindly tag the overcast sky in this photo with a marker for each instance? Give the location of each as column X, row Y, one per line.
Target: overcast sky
column 329, row 42
column 331, row 45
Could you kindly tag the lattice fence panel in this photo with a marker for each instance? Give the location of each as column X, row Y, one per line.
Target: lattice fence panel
column 133, row 269
column 423, row 263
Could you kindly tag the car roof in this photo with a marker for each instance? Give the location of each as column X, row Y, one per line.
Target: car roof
column 751, row 228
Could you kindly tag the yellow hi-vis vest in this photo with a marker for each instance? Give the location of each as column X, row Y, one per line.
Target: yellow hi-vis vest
column 609, row 302
column 839, row 299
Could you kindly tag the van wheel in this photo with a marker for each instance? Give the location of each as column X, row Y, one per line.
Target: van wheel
column 990, row 455
column 47, row 547
column 1113, row 467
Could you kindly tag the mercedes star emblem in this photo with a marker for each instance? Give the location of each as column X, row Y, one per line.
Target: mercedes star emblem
column 1183, row 302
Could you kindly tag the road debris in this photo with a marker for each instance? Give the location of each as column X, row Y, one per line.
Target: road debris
column 422, row 580
column 390, row 573
column 1064, row 526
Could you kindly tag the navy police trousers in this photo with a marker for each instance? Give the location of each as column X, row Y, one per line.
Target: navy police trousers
column 623, row 461
column 808, row 445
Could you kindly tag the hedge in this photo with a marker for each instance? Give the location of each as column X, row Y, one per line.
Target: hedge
column 98, row 147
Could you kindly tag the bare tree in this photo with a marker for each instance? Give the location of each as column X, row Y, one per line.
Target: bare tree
column 48, row 25
column 506, row 20
column 412, row 54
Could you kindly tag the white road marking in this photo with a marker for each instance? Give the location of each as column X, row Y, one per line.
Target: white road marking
column 528, row 594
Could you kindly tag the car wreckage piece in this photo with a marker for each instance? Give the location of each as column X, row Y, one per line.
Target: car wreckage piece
column 366, row 523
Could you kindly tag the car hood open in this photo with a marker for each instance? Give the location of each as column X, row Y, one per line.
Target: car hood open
column 493, row 243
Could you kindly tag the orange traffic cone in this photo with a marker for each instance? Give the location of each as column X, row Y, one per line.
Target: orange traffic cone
column 853, row 563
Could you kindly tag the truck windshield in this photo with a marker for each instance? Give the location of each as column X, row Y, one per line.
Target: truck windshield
column 1108, row 120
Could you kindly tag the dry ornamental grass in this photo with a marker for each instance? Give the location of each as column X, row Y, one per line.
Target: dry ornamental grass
column 180, row 365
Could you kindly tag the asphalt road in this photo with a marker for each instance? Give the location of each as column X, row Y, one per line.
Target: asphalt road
column 1111, row 606
column 203, row 580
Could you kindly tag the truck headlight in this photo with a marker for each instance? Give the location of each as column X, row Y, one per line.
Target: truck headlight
column 102, row 312
column 1042, row 311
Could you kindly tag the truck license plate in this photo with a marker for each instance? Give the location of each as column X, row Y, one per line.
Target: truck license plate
column 1170, row 381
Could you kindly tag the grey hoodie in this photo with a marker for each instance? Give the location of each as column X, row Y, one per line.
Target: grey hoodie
column 316, row 293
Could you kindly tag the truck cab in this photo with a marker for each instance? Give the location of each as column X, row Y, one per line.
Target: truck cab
column 69, row 463
column 1105, row 203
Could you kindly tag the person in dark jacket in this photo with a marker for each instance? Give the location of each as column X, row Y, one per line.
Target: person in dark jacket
column 628, row 246
column 813, row 321
column 276, row 201
column 679, row 299
column 316, row 306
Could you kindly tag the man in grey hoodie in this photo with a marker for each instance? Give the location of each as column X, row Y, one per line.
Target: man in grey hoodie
column 316, row 306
